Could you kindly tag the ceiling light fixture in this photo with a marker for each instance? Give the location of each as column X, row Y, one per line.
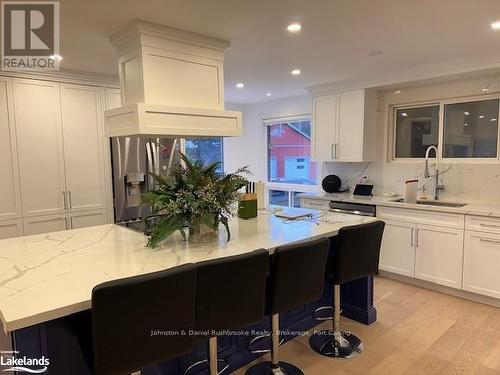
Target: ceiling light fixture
column 404, row 114
column 294, row 27
column 466, row 113
column 481, row 117
column 485, row 90
column 495, row 25
column 375, row 53
column 240, row 85
column 397, row 92
column 296, row 72
column 493, row 119
column 466, row 124
column 268, row 94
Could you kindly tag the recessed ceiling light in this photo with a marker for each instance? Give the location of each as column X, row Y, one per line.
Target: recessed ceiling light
column 404, row 114
column 466, row 113
column 493, row 119
column 294, row 27
column 397, row 92
column 56, row 57
column 466, row 124
column 268, row 94
column 240, row 85
column 481, row 117
column 375, row 53
column 296, row 72
column 485, row 90
column 495, row 25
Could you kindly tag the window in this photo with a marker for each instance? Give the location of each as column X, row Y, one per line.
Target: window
column 206, row 150
column 289, row 153
column 282, row 197
column 416, row 129
column 471, row 129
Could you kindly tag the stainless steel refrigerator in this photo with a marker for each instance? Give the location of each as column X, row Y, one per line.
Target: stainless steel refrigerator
column 134, row 159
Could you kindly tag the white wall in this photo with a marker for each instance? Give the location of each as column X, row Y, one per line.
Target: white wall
column 251, row 147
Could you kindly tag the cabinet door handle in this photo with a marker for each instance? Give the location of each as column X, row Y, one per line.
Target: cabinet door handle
column 487, row 240
column 332, row 151
column 336, row 150
column 412, row 243
column 64, row 199
column 70, row 200
column 416, row 237
column 66, row 223
column 71, row 222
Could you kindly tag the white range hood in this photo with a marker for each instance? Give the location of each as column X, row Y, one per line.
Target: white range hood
column 172, row 84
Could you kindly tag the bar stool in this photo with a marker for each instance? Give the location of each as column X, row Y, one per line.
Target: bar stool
column 125, row 313
column 296, row 279
column 230, row 295
column 356, row 255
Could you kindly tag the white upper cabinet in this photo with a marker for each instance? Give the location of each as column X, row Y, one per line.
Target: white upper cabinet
column 83, row 148
column 10, row 202
column 324, row 135
column 344, row 126
column 40, row 147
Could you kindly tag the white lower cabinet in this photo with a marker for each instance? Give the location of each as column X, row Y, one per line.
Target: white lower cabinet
column 45, row 224
column 482, row 263
column 11, row 228
column 439, row 254
column 87, row 219
column 397, row 254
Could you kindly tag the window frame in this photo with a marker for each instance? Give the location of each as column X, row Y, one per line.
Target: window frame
column 394, row 122
column 284, row 186
column 441, row 102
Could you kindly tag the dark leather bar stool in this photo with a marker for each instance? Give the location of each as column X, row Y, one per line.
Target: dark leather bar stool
column 230, row 295
column 296, row 279
column 356, row 255
column 126, row 311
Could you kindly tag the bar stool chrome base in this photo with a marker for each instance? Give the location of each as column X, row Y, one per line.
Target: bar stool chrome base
column 266, row 368
column 341, row 344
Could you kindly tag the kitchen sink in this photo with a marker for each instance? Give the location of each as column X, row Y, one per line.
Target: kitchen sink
column 435, row 203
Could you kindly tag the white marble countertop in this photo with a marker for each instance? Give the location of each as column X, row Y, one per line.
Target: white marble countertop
column 492, row 210
column 47, row 276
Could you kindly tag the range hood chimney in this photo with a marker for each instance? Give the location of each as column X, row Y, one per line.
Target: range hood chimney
column 172, row 84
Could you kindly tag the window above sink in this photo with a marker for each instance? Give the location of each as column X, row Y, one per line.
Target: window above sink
column 464, row 130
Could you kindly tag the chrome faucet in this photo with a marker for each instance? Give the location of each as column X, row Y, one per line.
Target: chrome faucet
column 437, row 186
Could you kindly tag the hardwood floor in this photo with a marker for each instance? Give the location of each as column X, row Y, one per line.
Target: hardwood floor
column 418, row 332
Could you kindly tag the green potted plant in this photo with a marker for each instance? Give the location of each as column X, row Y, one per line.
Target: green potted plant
column 194, row 195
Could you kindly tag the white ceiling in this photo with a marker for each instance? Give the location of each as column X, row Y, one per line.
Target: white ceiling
column 333, row 45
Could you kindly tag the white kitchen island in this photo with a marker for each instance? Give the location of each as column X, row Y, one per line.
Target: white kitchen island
column 49, row 276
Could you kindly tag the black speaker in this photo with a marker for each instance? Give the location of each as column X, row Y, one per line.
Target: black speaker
column 331, row 183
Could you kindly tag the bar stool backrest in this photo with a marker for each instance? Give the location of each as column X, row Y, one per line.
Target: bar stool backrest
column 231, row 291
column 357, row 251
column 297, row 274
column 126, row 311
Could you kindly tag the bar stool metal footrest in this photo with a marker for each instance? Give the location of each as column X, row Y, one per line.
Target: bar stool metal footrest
column 266, row 368
column 336, row 345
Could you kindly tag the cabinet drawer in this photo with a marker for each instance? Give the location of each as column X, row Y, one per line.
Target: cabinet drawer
column 442, row 219
column 483, row 223
column 315, row 204
column 481, row 260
